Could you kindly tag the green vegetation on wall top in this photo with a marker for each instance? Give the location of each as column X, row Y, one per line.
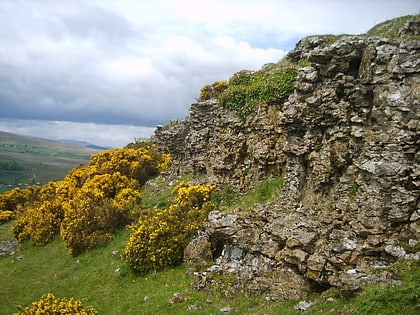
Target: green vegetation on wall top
column 246, row 90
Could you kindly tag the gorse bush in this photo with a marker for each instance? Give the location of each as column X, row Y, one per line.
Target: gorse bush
column 15, row 200
column 141, row 163
column 6, row 215
column 51, row 305
column 40, row 219
column 212, row 90
column 89, row 204
column 159, row 237
column 97, row 209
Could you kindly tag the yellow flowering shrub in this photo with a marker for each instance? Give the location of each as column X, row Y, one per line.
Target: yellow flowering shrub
column 140, row 164
column 89, row 204
column 51, row 305
column 6, row 215
column 13, row 201
column 41, row 224
column 12, row 198
column 159, row 237
column 98, row 208
column 213, row 90
column 40, row 220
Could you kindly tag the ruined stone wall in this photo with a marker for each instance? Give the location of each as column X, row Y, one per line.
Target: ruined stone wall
column 347, row 141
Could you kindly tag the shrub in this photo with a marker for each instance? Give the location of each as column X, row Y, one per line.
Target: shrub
column 42, row 223
column 89, row 204
column 213, row 90
column 140, row 164
column 6, row 215
column 12, row 198
column 13, row 202
column 40, row 220
column 49, row 304
column 246, row 89
column 98, row 208
column 159, row 237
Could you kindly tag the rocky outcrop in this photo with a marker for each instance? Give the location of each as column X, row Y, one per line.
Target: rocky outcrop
column 219, row 147
column 347, row 143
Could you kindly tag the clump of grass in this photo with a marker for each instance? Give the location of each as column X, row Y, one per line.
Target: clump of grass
column 261, row 192
column 246, row 89
column 399, row 298
column 156, row 193
column 225, row 196
column 228, row 198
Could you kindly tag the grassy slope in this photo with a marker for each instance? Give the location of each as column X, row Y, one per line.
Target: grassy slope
column 390, row 28
column 93, row 278
column 101, row 279
column 38, row 159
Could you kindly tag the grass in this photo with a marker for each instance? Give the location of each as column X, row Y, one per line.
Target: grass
column 101, row 279
column 227, row 198
column 390, row 28
column 157, row 193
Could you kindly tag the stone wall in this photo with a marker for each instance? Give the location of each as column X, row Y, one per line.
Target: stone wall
column 347, row 141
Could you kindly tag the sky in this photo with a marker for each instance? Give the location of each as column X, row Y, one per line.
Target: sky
column 110, row 71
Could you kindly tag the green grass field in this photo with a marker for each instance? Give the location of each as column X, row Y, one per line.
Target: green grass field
column 100, row 278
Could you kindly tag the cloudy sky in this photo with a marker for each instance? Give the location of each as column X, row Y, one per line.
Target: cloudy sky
column 109, row 71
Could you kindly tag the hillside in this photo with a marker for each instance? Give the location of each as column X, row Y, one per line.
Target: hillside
column 29, row 160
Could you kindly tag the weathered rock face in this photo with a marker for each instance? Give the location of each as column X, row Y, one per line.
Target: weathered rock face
column 347, row 141
column 219, row 147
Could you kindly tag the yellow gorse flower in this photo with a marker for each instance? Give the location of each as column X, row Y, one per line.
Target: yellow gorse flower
column 88, row 205
column 49, row 304
column 158, row 240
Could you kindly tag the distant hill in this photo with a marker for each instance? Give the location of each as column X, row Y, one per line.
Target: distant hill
column 84, row 144
column 26, row 160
